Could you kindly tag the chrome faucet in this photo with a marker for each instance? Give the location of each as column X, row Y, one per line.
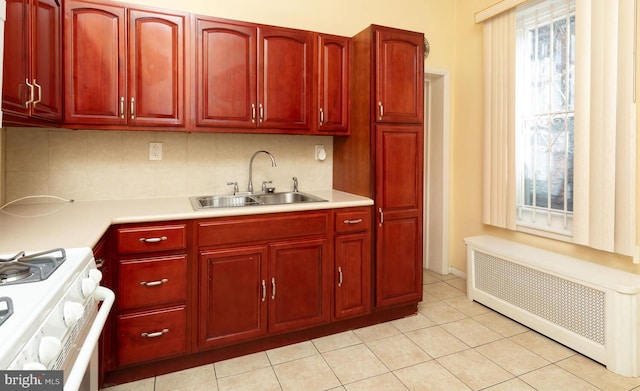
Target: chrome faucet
column 235, row 187
column 273, row 164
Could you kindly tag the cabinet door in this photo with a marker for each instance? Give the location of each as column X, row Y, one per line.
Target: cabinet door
column 353, row 275
column 333, row 84
column 47, row 60
column 156, row 68
column 399, row 160
column 233, row 295
column 299, row 285
column 94, row 58
column 225, row 74
column 399, row 74
column 17, row 57
column 285, row 70
column 32, row 66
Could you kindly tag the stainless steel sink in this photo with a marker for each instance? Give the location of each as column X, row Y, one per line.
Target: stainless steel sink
column 222, row 201
column 227, row 201
column 287, row 198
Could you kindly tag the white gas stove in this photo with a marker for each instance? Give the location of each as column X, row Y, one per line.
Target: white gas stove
column 50, row 316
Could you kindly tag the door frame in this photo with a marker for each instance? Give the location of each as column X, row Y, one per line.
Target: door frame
column 436, row 170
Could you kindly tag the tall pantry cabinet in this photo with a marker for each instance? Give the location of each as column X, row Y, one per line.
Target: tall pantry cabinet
column 383, row 157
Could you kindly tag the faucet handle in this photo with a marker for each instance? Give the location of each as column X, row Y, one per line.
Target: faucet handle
column 235, row 187
column 295, row 184
column 264, row 186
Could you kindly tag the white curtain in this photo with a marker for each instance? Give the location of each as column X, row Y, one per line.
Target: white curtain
column 605, row 123
column 605, row 126
column 499, row 120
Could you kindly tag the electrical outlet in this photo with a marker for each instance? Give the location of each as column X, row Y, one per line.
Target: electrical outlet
column 155, row 151
column 320, row 152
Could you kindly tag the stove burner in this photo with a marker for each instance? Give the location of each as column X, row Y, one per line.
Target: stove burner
column 23, row 268
column 6, row 309
column 13, row 272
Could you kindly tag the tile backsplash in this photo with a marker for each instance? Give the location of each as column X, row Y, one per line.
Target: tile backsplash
column 100, row 165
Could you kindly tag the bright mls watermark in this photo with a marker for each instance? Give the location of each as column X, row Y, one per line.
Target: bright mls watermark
column 31, row 380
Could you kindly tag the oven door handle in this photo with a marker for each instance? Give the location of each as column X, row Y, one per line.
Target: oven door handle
column 91, row 342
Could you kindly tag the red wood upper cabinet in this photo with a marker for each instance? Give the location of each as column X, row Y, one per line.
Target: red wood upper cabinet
column 32, row 66
column 95, row 65
column 156, row 68
column 285, row 70
column 226, row 73
column 333, row 84
column 398, row 74
column 123, row 66
column 252, row 77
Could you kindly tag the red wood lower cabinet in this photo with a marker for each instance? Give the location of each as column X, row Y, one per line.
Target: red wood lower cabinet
column 152, row 335
column 353, row 275
column 247, row 292
column 300, row 285
column 233, row 306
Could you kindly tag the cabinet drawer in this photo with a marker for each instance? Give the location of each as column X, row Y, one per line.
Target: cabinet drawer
column 151, row 335
column 149, row 282
column 353, row 220
column 149, row 239
column 261, row 228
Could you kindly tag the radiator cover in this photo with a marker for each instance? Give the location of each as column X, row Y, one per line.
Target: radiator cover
column 590, row 308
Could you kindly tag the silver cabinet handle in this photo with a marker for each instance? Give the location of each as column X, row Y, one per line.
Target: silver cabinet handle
column 156, row 334
column 153, row 240
column 264, row 290
column 27, row 103
column 133, row 104
column 122, row 107
column 39, row 87
column 339, row 276
column 355, row 221
column 154, row 283
column 381, row 216
column 321, row 116
column 261, row 112
column 273, row 288
column 100, row 263
column 253, row 112
column 381, row 109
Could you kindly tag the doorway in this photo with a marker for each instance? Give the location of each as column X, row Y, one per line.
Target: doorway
column 436, row 171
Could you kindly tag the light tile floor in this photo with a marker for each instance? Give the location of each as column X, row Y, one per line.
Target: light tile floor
column 451, row 344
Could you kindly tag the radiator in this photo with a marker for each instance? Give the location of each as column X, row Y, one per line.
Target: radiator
column 593, row 309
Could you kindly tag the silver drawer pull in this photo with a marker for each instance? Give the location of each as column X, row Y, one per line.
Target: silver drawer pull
column 264, row 290
column 153, row 240
column 273, row 289
column 156, row 334
column 355, row 221
column 339, row 276
column 154, row 283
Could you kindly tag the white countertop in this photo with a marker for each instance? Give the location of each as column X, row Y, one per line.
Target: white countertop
column 40, row 226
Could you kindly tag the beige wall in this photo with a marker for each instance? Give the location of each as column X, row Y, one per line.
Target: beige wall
column 99, row 165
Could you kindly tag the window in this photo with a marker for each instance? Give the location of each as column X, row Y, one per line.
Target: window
column 560, row 121
column 545, row 92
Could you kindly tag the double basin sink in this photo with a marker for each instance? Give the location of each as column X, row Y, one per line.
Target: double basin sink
column 226, row 201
